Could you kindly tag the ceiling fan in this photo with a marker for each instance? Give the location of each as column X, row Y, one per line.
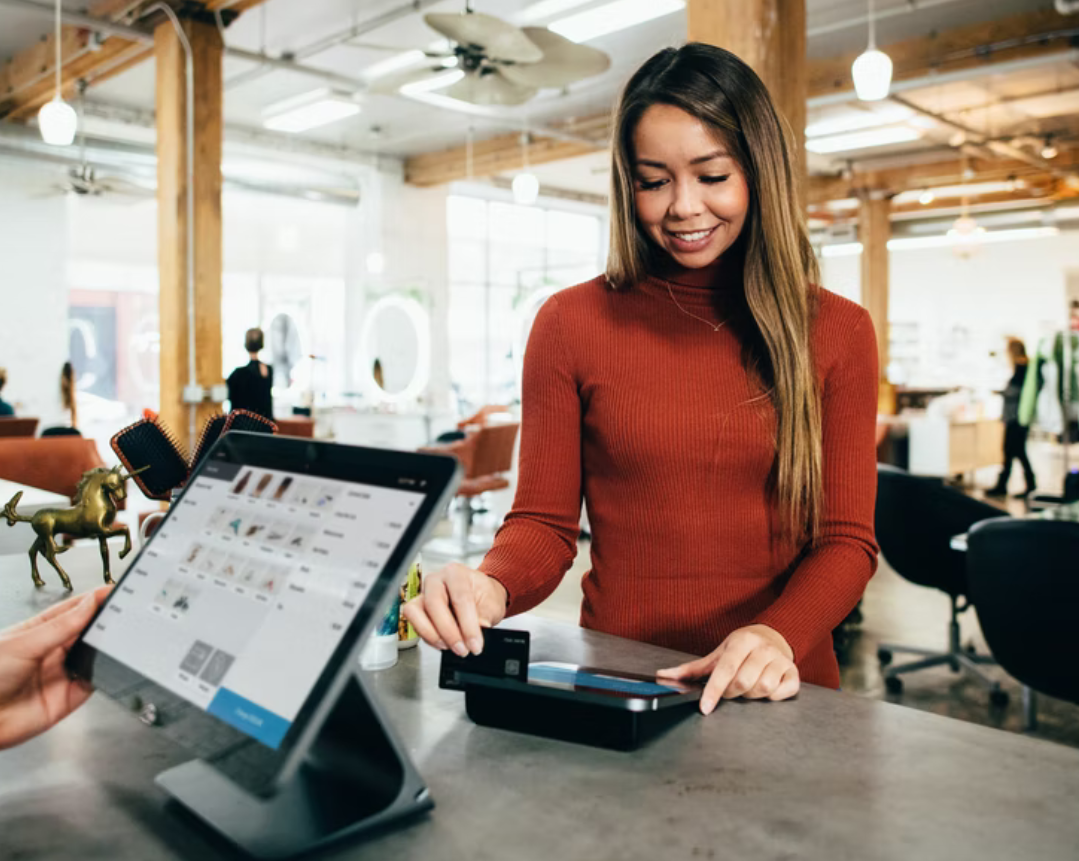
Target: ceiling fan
column 501, row 64
column 82, row 179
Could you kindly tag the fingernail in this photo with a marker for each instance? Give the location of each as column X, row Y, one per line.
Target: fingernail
column 476, row 645
column 440, row 644
column 707, row 706
column 460, row 649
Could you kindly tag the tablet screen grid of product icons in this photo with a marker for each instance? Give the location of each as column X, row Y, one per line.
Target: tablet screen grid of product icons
column 315, row 496
column 260, row 578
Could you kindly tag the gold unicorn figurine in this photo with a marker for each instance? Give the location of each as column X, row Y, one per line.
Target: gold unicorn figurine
column 96, row 496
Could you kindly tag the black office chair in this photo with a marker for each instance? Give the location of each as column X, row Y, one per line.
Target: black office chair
column 1024, row 582
column 916, row 519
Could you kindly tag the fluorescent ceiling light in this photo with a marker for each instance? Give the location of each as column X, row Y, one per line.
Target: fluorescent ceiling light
column 308, row 111
column 863, row 140
column 945, row 192
column 908, row 243
column 393, row 64
column 548, row 9
column 852, row 121
column 612, row 17
column 437, row 82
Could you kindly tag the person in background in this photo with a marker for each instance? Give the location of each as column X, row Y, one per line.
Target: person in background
column 251, row 385
column 35, row 689
column 67, row 393
column 6, row 409
column 1015, row 433
column 715, row 408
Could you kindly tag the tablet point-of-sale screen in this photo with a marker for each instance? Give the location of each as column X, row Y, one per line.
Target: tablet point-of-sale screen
column 248, row 587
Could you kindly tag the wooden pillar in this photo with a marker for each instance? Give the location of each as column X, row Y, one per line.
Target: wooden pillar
column 770, row 36
column 173, row 229
column 874, row 230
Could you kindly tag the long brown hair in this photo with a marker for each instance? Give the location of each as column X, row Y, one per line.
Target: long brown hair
column 778, row 267
column 67, row 392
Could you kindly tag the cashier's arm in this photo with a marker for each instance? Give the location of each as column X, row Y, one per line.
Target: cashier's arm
column 35, row 689
column 456, row 604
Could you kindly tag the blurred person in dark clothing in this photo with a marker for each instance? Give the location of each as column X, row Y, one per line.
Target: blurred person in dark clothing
column 1015, row 433
column 250, row 385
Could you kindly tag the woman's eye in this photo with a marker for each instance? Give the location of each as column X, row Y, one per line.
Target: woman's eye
column 649, row 185
column 711, row 180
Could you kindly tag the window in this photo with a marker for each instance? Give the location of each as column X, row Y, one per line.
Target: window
column 501, row 258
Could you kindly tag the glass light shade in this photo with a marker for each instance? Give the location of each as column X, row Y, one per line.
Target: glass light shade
column 525, row 189
column 966, row 236
column 872, row 73
column 57, row 122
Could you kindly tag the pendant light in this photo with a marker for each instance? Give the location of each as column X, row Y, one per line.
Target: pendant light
column 56, row 119
column 966, row 234
column 872, row 71
column 525, row 185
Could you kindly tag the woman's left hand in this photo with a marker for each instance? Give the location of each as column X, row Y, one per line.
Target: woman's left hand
column 754, row 662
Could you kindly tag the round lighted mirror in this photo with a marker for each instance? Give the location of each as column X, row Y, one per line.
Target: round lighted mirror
column 394, row 358
column 286, row 349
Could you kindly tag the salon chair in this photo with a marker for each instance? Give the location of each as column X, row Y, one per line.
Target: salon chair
column 1022, row 580
column 916, row 519
column 10, row 426
column 486, row 455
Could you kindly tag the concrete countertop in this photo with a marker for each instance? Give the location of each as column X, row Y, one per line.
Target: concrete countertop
column 829, row 776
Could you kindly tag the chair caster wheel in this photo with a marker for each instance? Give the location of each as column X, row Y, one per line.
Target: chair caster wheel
column 884, row 656
column 999, row 698
column 893, row 684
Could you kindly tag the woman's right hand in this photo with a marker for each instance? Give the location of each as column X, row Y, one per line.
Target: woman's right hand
column 456, row 603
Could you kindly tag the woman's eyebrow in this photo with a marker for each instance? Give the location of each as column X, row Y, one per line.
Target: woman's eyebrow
column 719, row 153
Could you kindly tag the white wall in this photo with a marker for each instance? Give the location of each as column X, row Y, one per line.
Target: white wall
column 1006, row 288
column 33, row 295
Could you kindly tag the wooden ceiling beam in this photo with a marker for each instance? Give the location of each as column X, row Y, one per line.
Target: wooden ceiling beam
column 946, row 172
column 28, row 79
column 975, row 46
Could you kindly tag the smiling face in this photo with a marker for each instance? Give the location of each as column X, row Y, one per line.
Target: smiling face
column 690, row 195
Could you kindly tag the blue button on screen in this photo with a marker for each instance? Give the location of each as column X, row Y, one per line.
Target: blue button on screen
column 262, row 725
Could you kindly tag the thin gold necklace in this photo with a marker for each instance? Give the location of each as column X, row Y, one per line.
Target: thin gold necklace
column 715, row 327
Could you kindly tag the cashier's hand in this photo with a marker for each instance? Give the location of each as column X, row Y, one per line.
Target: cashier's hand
column 35, row 690
column 455, row 604
column 754, row 662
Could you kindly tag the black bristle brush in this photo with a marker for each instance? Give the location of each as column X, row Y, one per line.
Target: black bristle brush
column 146, row 443
column 214, row 427
column 245, row 420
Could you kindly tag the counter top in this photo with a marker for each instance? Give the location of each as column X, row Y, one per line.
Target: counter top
column 828, row 775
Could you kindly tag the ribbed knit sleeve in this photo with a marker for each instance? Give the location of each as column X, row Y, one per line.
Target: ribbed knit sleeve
column 538, row 539
column 828, row 582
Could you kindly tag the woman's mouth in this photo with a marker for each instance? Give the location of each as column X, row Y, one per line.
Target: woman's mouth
column 688, row 241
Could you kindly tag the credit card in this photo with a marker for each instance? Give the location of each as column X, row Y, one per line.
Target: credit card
column 504, row 656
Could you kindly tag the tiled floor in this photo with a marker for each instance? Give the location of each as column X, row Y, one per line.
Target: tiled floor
column 896, row 611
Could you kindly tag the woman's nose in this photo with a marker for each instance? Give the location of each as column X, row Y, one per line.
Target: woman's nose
column 687, row 201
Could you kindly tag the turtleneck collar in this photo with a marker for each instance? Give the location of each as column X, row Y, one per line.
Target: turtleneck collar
column 702, row 287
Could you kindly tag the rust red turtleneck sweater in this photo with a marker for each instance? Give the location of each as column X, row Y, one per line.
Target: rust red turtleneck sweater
column 646, row 412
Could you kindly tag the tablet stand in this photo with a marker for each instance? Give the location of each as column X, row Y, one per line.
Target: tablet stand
column 355, row 777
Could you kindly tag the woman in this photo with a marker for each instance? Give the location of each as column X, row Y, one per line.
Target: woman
column 6, row 409
column 1015, row 433
column 251, row 385
column 67, row 393
column 716, row 410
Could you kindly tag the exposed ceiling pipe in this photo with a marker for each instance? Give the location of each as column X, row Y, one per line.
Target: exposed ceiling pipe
column 341, row 36
column 143, row 36
column 981, row 140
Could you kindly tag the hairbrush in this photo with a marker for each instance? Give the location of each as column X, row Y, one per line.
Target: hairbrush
column 147, row 444
column 245, row 420
column 211, row 431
